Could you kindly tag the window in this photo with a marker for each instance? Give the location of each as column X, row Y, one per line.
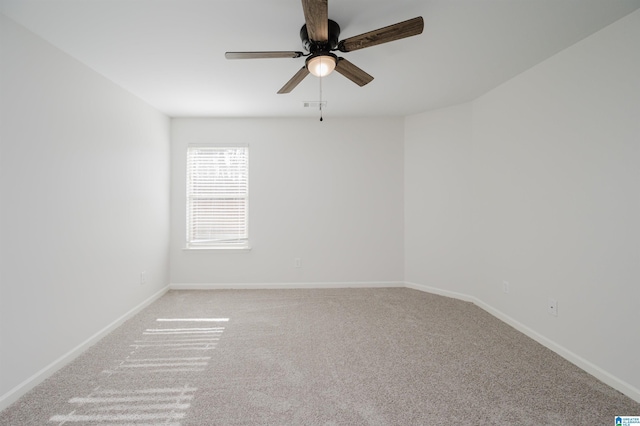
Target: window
column 217, row 197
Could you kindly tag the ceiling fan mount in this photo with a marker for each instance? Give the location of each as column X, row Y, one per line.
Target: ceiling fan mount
column 320, row 36
column 312, row 46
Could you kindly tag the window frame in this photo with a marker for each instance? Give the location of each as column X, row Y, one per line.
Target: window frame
column 240, row 244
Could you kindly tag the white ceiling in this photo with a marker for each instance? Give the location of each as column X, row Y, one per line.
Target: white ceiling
column 170, row 53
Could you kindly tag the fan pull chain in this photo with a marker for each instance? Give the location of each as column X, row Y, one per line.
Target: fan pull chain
column 320, row 103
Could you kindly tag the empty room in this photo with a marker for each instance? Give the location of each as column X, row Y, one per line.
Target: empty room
column 319, row 212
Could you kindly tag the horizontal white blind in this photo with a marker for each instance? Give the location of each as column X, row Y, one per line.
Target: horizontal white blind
column 217, row 196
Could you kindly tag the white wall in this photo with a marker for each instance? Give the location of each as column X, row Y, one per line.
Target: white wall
column 330, row 193
column 84, row 197
column 437, row 172
column 559, row 152
column 553, row 168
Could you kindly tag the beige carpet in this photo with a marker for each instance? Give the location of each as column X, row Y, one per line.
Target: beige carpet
column 318, row 357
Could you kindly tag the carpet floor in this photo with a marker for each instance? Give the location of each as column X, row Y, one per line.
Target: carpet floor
column 392, row 356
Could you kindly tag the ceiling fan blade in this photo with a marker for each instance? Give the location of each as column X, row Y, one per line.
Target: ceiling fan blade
column 295, row 80
column 383, row 35
column 260, row 55
column 316, row 16
column 352, row 72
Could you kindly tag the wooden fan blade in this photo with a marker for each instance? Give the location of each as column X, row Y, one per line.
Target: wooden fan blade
column 261, row 55
column 352, row 72
column 383, row 35
column 295, row 80
column 316, row 16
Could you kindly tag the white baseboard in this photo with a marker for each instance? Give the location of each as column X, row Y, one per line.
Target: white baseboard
column 307, row 285
column 440, row 292
column 602, row 375
column 24, row 387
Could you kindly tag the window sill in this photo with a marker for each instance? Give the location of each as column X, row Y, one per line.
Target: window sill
column 218, row 249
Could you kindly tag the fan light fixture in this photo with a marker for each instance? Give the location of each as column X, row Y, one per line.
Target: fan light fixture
column 321, row 65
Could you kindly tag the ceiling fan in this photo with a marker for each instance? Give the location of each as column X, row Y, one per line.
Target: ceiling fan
column 319, row 37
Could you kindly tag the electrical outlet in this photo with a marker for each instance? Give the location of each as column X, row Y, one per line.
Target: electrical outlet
column 143, row 277
column 552, row 307
column 505, row 286
column 297, row 262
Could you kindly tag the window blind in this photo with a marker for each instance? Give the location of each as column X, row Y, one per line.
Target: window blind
column 217, row 196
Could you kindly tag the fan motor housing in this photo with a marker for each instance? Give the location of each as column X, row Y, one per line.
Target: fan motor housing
column 313, row 46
